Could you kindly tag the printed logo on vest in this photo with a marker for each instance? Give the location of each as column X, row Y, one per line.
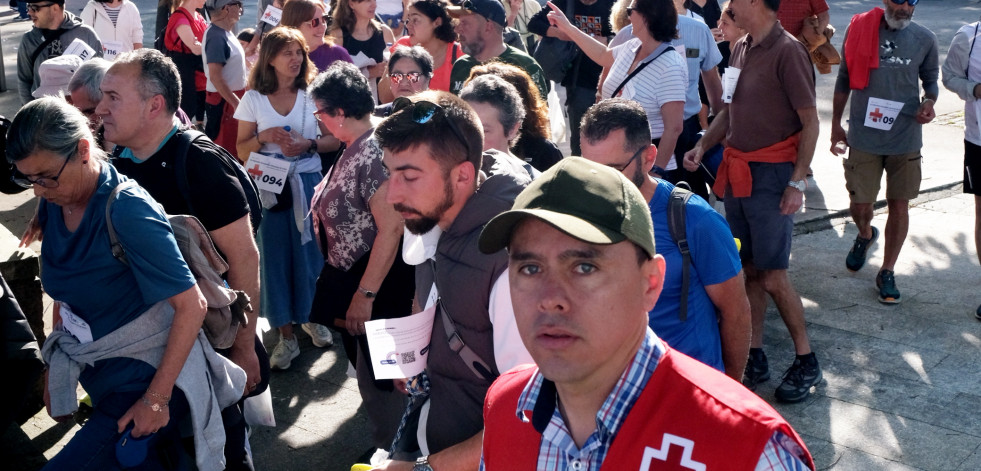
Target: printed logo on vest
column 685, row 461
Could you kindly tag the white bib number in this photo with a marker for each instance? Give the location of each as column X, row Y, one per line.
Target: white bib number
column 881, row 114
column 269, row 173
column 729, row 80
column 81, row 49
column 272, row 15
column 74, row 324
column 111, row 49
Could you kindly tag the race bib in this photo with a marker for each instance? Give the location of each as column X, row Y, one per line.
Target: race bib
column 74, row 324
column 111, row 49
column 881, row 114
column 272, row 15
column 81, row 49
column 729, row 80
column 268, row 172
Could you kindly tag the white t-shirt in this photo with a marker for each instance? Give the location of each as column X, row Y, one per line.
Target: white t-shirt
column 255, row 108
column 662, row 81
column 220, row 46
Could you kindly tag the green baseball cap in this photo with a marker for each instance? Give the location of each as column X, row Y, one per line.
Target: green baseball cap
column 588, row 201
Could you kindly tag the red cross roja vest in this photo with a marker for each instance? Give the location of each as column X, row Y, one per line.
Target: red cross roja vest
column 689, row 417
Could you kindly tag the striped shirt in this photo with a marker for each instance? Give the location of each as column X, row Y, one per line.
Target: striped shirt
column 558, row 450
column 663, row 81
column 113, row 13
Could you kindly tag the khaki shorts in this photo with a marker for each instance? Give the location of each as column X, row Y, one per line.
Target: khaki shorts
column 863, row 175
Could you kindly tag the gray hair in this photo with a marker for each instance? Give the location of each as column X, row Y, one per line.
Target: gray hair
column 89, row 76
column 158, row 75
column 49, row 124
column 500, row 94
column 417, row 54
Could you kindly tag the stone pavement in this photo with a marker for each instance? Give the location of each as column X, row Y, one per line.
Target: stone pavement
column 900, row 381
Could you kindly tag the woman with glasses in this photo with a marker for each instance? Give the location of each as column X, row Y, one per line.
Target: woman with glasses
column 312, row 20
column 276, row 120
column 646, row 69
column 182, row 39
column 364, row 277
column 430, row 26
column 410, row 70
column 129, row 333
column 356, row 28
column 118, row 24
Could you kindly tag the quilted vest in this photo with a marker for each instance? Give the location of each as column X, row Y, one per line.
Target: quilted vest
column 464, row 277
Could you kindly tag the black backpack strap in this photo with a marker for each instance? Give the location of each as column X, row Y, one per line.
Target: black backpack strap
column 114, row 245
column 677, row 203
column 44, row 45
column 185, row 139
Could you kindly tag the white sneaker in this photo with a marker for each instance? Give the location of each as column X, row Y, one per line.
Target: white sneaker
column 284, row 353
column 320, row 334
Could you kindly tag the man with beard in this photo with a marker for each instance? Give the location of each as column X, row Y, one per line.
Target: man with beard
column 885, row 56
column 770, row 127
column 54, row 30
column 481, row 29
column 715, row 327
column 446, row 190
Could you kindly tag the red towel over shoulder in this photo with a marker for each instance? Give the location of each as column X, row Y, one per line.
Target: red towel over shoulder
column 862, row 47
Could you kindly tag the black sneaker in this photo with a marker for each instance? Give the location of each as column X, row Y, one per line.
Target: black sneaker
column 797, row 381
column 977, row 314
column 757, row 369
column 886, row 282
column 860, row 251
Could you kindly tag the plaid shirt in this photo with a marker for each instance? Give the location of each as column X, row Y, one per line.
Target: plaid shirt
column 559, row 451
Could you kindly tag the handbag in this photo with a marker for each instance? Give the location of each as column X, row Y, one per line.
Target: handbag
column 554, row 55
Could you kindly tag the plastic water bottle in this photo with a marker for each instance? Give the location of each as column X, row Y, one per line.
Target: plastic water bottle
column 297, row 137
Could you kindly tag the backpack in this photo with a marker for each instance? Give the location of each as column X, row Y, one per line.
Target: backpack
column 186, row 138
column 226, row 307
column 160, row 41
column 7, row 185
column 677, row 209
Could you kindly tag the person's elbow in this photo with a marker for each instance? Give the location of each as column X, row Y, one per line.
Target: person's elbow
column 190, row 306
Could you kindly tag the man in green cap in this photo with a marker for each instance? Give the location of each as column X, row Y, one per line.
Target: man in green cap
column 584, row 273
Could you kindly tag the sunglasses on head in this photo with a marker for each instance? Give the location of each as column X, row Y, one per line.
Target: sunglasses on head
column 315, row 22
column 423, row 112
column 912, row 3
column 412, row 76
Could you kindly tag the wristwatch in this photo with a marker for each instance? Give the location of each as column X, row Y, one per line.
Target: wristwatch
column 799, row 185
column 313, row 147
column 367, row 293
column 422, row 464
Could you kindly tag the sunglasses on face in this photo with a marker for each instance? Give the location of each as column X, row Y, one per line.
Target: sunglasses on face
column 43, row 182
column 630, row 11
column 36, row 7
column 320, row 19
column 412, row 76
column 423, row 112
column 912, row 3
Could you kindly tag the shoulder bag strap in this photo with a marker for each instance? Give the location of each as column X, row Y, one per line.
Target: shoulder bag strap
column 638, row 69
column 677, row 207
column 44, row 45
column 114, row 245
column 473, row 361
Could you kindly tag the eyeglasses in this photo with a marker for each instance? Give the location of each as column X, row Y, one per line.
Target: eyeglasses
column 43, row 182
column 36, row 7
column 317, row 114
column 315, row 22
column 623, row 167
column 912, row 3
column 630, row 11
column 412, row 76
column 424, row 111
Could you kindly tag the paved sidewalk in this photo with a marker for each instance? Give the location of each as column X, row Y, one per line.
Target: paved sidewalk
column 900, row 381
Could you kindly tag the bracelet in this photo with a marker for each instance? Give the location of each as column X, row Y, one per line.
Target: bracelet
column 154, row 406
column 158, row 396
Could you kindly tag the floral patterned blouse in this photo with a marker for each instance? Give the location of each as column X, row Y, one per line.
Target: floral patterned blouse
column 341, row 215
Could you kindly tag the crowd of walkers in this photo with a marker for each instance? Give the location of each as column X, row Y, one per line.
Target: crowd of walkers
column 373, row 159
